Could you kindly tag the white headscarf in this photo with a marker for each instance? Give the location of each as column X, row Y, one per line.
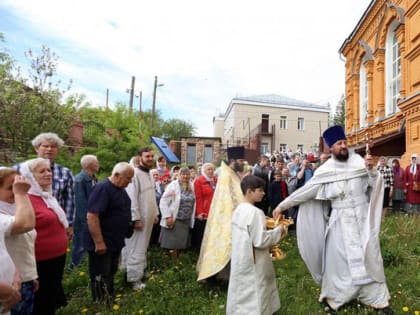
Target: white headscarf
column 47, row 196
column 413, row 167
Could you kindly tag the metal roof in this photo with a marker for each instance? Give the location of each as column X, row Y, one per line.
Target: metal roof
column 273, row 99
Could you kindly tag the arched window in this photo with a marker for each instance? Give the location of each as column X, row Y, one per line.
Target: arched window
column 363, row 101
column 392, row 71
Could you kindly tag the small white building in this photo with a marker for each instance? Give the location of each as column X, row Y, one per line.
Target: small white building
column 272, row 123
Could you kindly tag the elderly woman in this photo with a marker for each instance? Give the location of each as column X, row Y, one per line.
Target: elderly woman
column 51, row 241
column 177, row 207
column 204, row 187
column 412, row 186
column 17, row 221
column 398, row 195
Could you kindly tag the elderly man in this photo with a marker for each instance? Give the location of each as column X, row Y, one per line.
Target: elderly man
column 83, row 186
column 46, row 146
column 144, row 213
column 343, row 254
column 108, row 220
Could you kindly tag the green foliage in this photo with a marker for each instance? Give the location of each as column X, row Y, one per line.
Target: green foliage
column 172, row 287
column 27, row 110
column 175, row 129
column 339, row 117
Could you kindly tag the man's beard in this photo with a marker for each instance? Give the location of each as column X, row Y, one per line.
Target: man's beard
column 342, row 157
column 238, row 167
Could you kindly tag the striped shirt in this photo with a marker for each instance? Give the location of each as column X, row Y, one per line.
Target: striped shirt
column 387, row 174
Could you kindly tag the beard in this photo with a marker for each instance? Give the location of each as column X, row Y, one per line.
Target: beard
column 342, row 157
column 238, row 167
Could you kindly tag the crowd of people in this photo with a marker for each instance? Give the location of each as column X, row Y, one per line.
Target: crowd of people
column 220, row 213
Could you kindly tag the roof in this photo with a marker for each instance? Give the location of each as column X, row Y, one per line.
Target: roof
column 277, row 101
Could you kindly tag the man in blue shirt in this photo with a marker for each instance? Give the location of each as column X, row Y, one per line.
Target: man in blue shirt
column 83, row 186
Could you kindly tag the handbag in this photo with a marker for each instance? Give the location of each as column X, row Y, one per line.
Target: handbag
column 416, row 186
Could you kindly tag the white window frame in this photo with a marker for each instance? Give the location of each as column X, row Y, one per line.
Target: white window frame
column 392, row 71
column 301, row 123
column 264, row 147
column 363, row 100
column 283, row 122
column 299, row 148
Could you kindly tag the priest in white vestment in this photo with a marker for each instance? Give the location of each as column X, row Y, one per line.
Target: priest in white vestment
column 338, row 227
column 144, row 213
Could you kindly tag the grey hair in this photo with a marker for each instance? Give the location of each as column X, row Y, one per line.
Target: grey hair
column 87, row 159
column 121, row 168
column 33, row 163
column 47, row 136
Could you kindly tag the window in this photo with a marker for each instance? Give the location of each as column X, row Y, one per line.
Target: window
column 191, row 154
column 208, row 153
column 283, row 122
column 363, row 96
column 264, row 123
column 301, row 123
column 392, row 71
column 283, row 147
column 299, row 148
column 264, row 147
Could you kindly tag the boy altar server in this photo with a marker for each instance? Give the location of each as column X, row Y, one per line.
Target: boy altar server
column 252, row 284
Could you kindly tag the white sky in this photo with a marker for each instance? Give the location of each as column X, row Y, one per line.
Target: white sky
column 204, row 52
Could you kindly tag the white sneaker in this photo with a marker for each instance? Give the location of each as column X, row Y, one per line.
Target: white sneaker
column 138, row 285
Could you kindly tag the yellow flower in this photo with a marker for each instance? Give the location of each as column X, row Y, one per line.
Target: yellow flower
column 416, row 312
column 117, row 299
column 405, row 309
column 82, row 273
column 118, row 295
column 116, row 307
column 141, row 311
column 84, row 310
column 68, row 250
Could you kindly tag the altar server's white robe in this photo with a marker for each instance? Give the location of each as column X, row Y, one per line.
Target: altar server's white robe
column 252, row 282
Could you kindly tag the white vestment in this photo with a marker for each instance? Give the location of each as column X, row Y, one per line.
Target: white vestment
column 343, row 252
column 252, row 283
column 144, row 208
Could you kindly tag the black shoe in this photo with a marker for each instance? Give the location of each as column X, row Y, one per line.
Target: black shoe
column 387, row 310
column 328, row 309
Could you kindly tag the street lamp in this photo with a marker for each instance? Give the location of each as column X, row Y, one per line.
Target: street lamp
column 154, row 100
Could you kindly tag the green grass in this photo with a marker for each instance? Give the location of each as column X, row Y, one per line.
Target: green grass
column 172, row 287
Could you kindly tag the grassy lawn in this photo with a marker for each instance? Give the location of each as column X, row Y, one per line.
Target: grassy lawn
column 172, row 287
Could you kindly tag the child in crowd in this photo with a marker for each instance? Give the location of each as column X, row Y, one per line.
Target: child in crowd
column 252, row 284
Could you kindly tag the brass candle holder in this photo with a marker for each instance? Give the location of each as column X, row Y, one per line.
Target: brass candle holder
column 275, row 251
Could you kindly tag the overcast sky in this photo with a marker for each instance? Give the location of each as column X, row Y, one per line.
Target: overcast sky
column 204, row 52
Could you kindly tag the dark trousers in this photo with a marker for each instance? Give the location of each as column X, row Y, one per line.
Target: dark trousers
column 102, row 270
column 50, row 295
column 197, row 234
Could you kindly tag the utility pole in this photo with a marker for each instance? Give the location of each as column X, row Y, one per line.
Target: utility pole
column 154, row 103
column 140, row 109
column 156, row 85
column 133, row 80
column 107, row 98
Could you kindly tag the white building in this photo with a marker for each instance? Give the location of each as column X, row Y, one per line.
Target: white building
column 272, row 123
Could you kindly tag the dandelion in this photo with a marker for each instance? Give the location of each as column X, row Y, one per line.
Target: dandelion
column 84, row 310
column 416, row 312
column 116, row 307
column 82, row 273
column 141, row 311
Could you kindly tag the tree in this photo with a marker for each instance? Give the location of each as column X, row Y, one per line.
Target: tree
column 27, row 109
column 339, row 117
column 175, row 129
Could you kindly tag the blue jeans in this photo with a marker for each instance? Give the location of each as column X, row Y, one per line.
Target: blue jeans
column 26, row 305
column 77, row 248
